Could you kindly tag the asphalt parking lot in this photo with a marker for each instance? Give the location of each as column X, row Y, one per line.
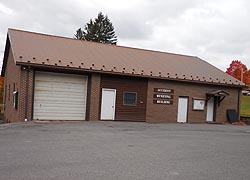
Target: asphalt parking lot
column 124, row 150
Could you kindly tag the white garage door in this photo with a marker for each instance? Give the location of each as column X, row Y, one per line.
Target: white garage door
column 60, row 96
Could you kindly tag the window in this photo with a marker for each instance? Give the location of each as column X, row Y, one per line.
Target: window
column 129, row 98
column 15, row 99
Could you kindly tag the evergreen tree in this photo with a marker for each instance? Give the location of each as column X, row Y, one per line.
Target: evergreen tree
column 79, row 34
column 100, row 30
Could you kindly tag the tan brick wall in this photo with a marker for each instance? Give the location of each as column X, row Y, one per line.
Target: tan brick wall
column 94, row 97
column 12, row 76
column 168, row 113
column 16, row 75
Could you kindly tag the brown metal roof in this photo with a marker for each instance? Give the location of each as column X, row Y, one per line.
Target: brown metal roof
column 46, row 50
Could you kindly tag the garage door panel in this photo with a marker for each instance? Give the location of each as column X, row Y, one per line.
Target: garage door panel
column 59, row 100
column 59, row 91
column 57, row 109
column 59, row 103
column 62, row 79
column 60, row 96
column 60, row 118
column 70, row 115
column 59, row 87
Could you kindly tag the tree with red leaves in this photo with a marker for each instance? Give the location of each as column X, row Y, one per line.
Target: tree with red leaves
column 239, row 71
column 247, row 77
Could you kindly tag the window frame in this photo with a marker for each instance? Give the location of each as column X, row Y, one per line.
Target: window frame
column 124, row 92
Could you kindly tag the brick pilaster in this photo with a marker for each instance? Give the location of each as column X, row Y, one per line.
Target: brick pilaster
column 26, row 94
column 94, row 97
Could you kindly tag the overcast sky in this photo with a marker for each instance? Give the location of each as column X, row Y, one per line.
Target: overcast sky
column 217, row 31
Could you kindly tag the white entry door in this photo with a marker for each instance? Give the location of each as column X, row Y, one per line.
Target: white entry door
column 182, row 109
column 210, row 110
column 108, row 104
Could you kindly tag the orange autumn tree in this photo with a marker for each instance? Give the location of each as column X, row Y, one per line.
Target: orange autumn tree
column 247, row 77
column 239, row 71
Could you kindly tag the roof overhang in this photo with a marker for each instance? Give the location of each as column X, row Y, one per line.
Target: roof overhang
column 219, row 94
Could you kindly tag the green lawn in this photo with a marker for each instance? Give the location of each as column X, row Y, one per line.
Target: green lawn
column 245, row 106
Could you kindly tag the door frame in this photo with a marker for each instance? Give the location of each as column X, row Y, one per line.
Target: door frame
column 215, row 108
column 187, row 97
column 215, row 101
column 113, row 116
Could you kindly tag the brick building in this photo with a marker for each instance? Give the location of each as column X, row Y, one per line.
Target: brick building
column 57, row 78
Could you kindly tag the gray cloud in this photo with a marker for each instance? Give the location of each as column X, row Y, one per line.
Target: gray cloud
column 216, row 30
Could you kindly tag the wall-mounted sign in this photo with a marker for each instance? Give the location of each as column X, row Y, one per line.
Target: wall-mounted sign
column 163, row 90
column 163, row 96
column 166, row 102
column 198, row 104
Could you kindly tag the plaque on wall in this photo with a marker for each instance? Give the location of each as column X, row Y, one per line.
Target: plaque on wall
column 198, row 104
column 163, row 96
column 161, row 101
column 163, row 90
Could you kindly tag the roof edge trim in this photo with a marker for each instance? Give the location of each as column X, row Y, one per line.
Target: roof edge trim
column 13, row 52
column 123, row 74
